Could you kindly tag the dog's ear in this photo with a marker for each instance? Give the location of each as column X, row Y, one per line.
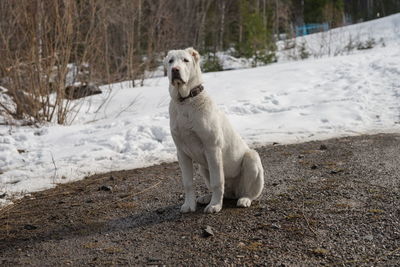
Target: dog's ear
column 193, row 53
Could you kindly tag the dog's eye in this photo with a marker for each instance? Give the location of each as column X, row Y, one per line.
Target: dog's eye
column 186, row 60
column 171, row 60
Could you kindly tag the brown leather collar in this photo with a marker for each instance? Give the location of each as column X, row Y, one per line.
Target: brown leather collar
column 194, row 92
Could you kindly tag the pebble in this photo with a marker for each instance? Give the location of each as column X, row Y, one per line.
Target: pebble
column 105, row 188
column 160, row 211
column 369, row 237
column 29, row 227
column 207, row 231
column 313, row 167
column 323, row 147
column 153, row 260
column 276, row 226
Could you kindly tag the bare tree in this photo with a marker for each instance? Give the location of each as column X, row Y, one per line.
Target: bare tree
column 45, row 46
column 222, row 8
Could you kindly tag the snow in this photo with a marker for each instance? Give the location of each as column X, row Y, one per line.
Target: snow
column 287, row 102
column 344, row 40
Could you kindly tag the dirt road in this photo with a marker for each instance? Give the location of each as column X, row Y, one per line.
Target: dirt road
column 335, row 202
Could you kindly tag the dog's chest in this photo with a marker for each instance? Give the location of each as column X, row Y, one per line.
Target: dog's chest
column 186, row 137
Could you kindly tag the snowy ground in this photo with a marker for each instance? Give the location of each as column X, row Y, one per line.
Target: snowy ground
column 344, row 40
column 286, row 102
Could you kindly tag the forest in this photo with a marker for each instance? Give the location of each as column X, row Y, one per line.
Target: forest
column 110, row 41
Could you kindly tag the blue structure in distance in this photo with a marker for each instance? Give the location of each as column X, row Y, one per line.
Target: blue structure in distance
column 311, row 28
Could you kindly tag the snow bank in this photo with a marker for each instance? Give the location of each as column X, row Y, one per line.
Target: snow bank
column 344, row 40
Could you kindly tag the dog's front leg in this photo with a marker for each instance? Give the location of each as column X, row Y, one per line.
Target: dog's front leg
column 217, row 179
column 186, row 165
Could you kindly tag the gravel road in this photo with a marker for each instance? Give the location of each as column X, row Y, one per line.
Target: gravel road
column 332, row 202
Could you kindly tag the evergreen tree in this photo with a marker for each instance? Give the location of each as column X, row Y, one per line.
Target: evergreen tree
column 256, row 40
column 320, row 11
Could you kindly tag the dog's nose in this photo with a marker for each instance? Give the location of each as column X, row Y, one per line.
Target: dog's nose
column 175, row 70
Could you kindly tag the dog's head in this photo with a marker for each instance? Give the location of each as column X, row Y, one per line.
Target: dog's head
column 183, row 69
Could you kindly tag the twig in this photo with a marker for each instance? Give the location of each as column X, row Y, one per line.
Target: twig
column 106, row 100
column 9, row 207
column 55, row 167
column 76, row 112
column 305, row 218
column 134, row 101
column 7, row 109
column 138, row 193
column 304, row 215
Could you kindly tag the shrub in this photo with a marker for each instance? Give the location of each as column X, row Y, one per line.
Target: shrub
column 265, row 57
column 368, row 44
column 350, row 46
column 211, row 63
column 303, row 52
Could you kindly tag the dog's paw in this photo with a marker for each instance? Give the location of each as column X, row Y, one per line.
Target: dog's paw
column 213, row 208
column 204, row 199
column 244, row 202
column 188, row 207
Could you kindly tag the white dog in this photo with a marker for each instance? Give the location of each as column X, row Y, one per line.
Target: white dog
column 203, row 134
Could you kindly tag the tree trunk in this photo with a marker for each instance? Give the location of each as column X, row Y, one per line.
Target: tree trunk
column 276, row 18
column 298, row 12
column 222, row 6
column 265, row 13
column 39, row 32
column 202, row 26
column 139, row 26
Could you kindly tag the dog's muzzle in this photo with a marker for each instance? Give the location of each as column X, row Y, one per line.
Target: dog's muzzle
column 176, row 76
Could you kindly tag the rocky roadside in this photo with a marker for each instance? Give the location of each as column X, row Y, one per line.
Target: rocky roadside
column 332, row 202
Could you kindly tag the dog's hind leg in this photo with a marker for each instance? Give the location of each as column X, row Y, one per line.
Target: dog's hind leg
column 251, row 181
column 206, row 176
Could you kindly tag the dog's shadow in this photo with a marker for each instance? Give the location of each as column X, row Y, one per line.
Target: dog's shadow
column 142, row 219
column 166, row 214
